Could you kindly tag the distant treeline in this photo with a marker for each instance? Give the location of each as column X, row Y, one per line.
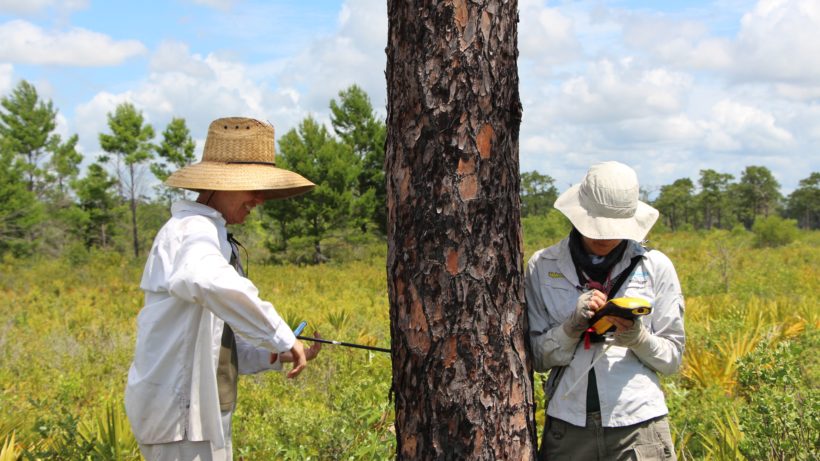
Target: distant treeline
column 717, row 201
column 48, row 206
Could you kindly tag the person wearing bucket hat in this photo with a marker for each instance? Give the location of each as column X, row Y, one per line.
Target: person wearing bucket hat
column 604, row 399
column 203, row 322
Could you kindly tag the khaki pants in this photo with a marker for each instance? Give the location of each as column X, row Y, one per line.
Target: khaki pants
column 649, row 440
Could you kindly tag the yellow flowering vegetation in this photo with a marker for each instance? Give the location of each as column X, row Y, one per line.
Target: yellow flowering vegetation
column 747, row 389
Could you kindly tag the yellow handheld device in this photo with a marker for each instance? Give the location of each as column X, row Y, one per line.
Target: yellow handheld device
column 627, row 308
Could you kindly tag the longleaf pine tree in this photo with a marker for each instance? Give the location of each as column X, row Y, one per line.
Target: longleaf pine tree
column 462, row 377
column 130, row 142
column 174, row 152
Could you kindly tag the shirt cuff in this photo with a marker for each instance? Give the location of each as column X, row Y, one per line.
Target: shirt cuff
column 284, row 339
column 562, row 338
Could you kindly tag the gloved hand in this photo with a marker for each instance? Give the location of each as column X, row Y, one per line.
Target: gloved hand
column 632, row 336
column 585, row 307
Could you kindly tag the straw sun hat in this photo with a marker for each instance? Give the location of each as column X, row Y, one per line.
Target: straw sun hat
column 238, row 156
column 605, row 204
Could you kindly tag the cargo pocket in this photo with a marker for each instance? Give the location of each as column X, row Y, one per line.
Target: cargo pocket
column 651, row 452
column 664, row 436
column 554, row 433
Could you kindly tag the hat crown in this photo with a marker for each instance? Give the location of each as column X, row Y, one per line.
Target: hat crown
column 239, row 140
column 610, row 190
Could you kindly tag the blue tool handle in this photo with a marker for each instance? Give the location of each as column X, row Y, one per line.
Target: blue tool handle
column 299, row 328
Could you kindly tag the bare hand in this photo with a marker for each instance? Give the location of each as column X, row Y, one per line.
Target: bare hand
column 597, row 300
column 312, row 351
column 299, row 360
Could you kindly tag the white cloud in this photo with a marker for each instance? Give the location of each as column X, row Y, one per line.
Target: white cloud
column 24, row 42
column 354, row 54
column 203, row 88
column 667, row 96
column 611, row 91
column 6, row 77
column 218, row 4
column 36, row 6
column 175, row 57
column 546, row 36
column 778, row 40
column 542, row 143
column 798, row 93
column 682, row 44
column 678, row 91
column 655, row 131
column 737, row 126
column 216, row 88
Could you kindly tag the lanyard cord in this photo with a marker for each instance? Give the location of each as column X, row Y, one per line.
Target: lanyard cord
column 603, row 287
column 236, row 245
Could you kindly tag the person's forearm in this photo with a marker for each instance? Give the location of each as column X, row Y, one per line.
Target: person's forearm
column 552, row 348
column 660, row 354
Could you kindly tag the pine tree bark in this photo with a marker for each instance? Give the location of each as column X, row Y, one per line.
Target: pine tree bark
column 462, row 381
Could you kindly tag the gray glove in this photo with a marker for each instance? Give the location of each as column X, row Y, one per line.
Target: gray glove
column 579, row 320
column 633, row 336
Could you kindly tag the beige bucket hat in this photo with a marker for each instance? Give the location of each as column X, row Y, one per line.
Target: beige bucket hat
column 239, row 155
column 605, row 204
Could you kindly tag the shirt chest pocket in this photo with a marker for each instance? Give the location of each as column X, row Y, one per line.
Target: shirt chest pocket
column 639, row 285
column 559, row 296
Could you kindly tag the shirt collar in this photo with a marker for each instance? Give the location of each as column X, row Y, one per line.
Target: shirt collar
column 184, row 208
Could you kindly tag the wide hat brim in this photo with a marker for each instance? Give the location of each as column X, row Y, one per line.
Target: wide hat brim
column 596, row 226
column 276, row 183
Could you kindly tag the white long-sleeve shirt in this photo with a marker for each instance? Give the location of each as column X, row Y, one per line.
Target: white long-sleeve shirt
column 628, row 386
column 191, row 290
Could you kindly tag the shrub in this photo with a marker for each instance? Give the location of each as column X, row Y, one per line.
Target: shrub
column 543, row 230
column 774, row 231
column 781, row 419
column 738, row 229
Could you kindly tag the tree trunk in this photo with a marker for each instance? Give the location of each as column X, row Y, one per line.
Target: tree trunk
column 134, row 212
column 461, row 376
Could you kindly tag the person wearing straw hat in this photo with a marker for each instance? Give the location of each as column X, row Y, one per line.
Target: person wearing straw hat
column 203, row 322
column 604, row 399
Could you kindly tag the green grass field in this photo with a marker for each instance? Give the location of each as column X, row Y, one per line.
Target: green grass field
column 748, row 388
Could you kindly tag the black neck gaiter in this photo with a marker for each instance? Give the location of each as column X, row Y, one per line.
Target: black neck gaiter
column 583, row 261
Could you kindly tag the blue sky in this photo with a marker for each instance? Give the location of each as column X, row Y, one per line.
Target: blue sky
column 668, row 87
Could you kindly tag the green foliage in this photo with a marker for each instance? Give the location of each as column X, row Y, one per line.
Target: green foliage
column 781, row 418
column 356, row 124
column 108, row 435
column 99, row 207
column 174, row 152
column 757, row 194
column 130, row 142
column 20, row 213
column 767, row 300
column 675, row 203
column 714, row 198
column 774, row 231
column 38, row 167
column 312, row 151
column 542, row 230
column 64, row 164
column 130, row 138
column 749, row 347
column 538, row 193
column 25, row 126
column 804, row 202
